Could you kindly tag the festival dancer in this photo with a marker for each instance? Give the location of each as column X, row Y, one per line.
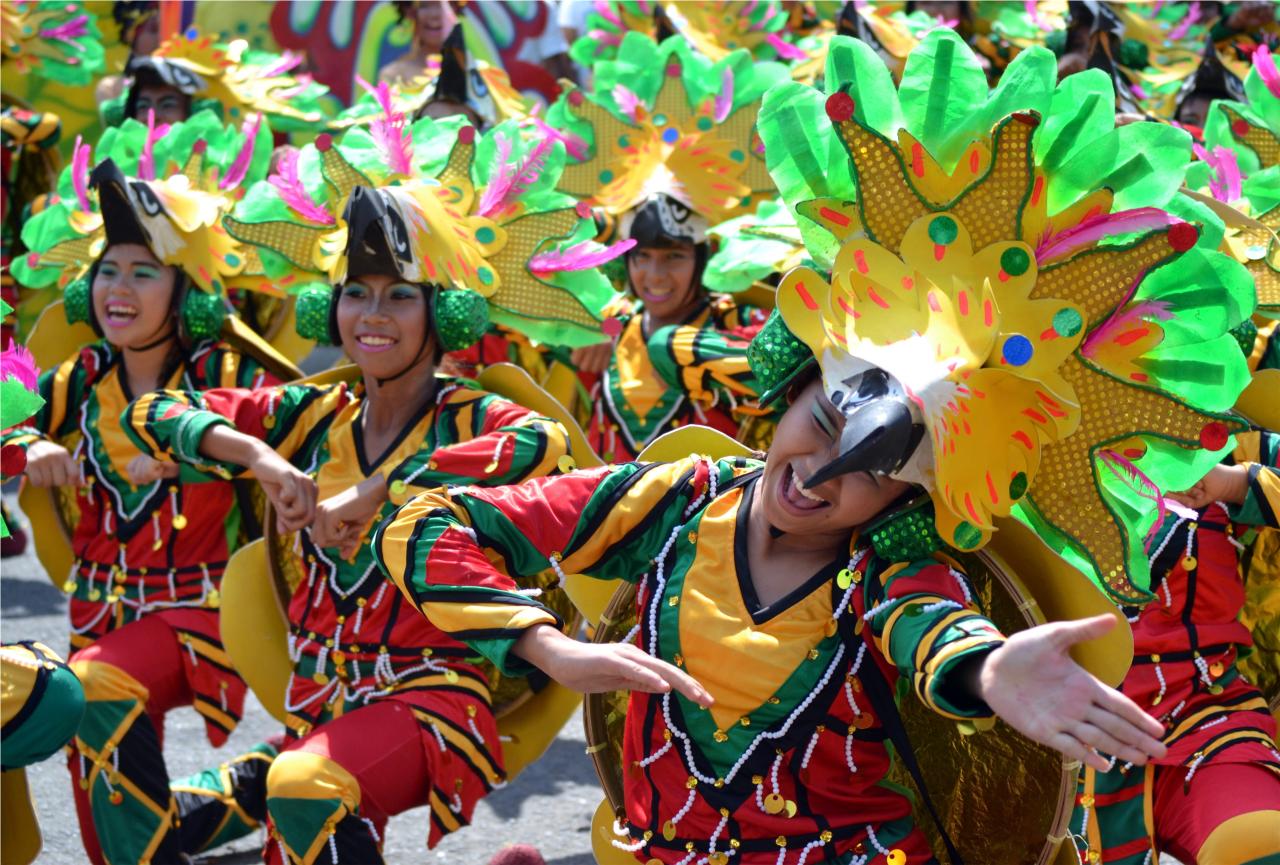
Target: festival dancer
column 664, row 145
column 387, row 712
column 924, row 377
column 148, row 263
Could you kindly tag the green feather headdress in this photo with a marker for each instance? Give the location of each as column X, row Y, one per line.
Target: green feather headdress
column 1005, row 256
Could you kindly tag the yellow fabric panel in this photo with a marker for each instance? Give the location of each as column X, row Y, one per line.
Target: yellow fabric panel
column 19, row 669
column 335, row 397
column 929, row 636
column 1242, row 839
column 103, row 681
column 447, row 818
column 642, row 497
column 931, row 669
column 479, row 756
column 205, row 649
column 112, row 403
column 304, row 775
column 60, row 392
column 1248, row 447
column 1192, row 720
column 717, row 635
column 639, row 382
column 452, row 618
column 397, row 531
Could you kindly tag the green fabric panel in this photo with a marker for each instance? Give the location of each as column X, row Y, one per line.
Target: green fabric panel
column 125, row 830
column 53, row 722
column 854, row 67
column 301, row 821
column 101, row 719
column 1082, row 111
column 1026, row 84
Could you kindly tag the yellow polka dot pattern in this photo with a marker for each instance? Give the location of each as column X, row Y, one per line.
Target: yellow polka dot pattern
column 1065, row 489
column 582, row 179
column 1261, row 141
column 990, row 210
column 1266, row 280
column 520, row 291
column 457, row 171
column 341, row 175
column 73, row 253
column 295, row 242
column 1094, row 280
column 889, row 202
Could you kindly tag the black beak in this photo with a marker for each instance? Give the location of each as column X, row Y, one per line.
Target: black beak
column 879, row 436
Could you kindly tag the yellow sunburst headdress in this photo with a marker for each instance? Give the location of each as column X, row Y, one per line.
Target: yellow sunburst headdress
column 463, row 211
column 1009, row 304
column 663, row 120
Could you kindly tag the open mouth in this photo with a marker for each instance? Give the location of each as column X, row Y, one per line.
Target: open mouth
column 655, row 294
column 796, row 498
column 373, row 342
column 121, row 314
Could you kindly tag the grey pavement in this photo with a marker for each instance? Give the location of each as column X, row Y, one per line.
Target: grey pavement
column 549, row 805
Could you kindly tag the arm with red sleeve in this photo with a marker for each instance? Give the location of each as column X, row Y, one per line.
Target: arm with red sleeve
column 455, row 554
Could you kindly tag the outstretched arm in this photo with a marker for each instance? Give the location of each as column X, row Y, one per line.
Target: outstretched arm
column 1033, row 684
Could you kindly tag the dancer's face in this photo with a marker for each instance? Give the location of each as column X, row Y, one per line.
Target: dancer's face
column 807, row 438
column 432, row 22
column 382, row 321
column 662, row 277
column 169, row 103
column 133, row 295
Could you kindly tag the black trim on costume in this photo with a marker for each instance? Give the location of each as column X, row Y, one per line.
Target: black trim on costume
column 33, row 699
column 357, row 433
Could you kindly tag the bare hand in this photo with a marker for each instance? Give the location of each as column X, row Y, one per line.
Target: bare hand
column 292, row 494
column 1032, row 683
column 592, row 358
column 343, row 520
column 51, row 465
column 1228, row 484
column 593, row 668
column 143, row 470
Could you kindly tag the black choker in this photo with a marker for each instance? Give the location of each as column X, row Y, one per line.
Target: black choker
column 775, row 532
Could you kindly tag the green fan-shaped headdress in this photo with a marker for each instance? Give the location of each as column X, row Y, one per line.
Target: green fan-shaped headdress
column 483, row 213
column 1003, row 259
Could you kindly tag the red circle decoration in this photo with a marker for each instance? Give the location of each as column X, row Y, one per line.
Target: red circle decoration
column 324, row 141
column 611, row 327
column 839, row 106
column 1214, row 435
column 1240, row 127
column 1027, row 118
column 1183, row 236
column 467, row 134
column 582, row 209
column 13, row 460
column 200, row 146
column 575, row 98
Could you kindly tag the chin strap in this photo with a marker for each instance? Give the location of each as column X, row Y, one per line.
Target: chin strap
column 159, row 340
column 417, row 358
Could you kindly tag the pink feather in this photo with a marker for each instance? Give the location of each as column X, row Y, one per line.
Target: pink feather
column 390, row 132
column 1226, row 183
column 493, row 195
column 574, row 145
column 294, row 194
column 1092, row 230
column 525, row 175
column 784, row 48
column 68, row 31
column 643, row 6
column 1265, row 62
column 80, row 174
column 604, row 37
column 1138, row 481
column 17, row 363
column 287, row 63
column 605, row 10
column 749, row 7
column 724, row 99
column 627, row 101
column 239, row 168
column 1125, row 317
column 580, row 256
column 146, row 160
column 1034, row 14
column 1193, row 14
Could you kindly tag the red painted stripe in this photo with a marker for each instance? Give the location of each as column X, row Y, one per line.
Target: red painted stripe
column 1035, row 415
column 876, row 298
column 1132, row 336
column 838, row 218
column 1023, row 439
column 991, row 490
column 860, row 260
column 806, row 297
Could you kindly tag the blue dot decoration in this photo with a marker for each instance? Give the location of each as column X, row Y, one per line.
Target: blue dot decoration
column 1017, row 350
column 192, row 34
column 670, row 135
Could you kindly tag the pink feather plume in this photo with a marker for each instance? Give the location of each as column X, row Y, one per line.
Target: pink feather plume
column 724, row 99
column 1193, row 15
column 1034, row 14
column 784, row 48
column 68, row 31
column 287, row 63
column 501, row 181
column 390, row 132
column 1092, row 230
column 515, row 183
column 627, row 101
column 294, row 194
column 605, row 10
column 574, row 145
column 1225, row 181
column 240, row 167
column 17, row 363
column 580, row 256
column 1125, row 317
column 1138, row 481
column 1265, row 62
column 146, row 160
column 80, row 174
